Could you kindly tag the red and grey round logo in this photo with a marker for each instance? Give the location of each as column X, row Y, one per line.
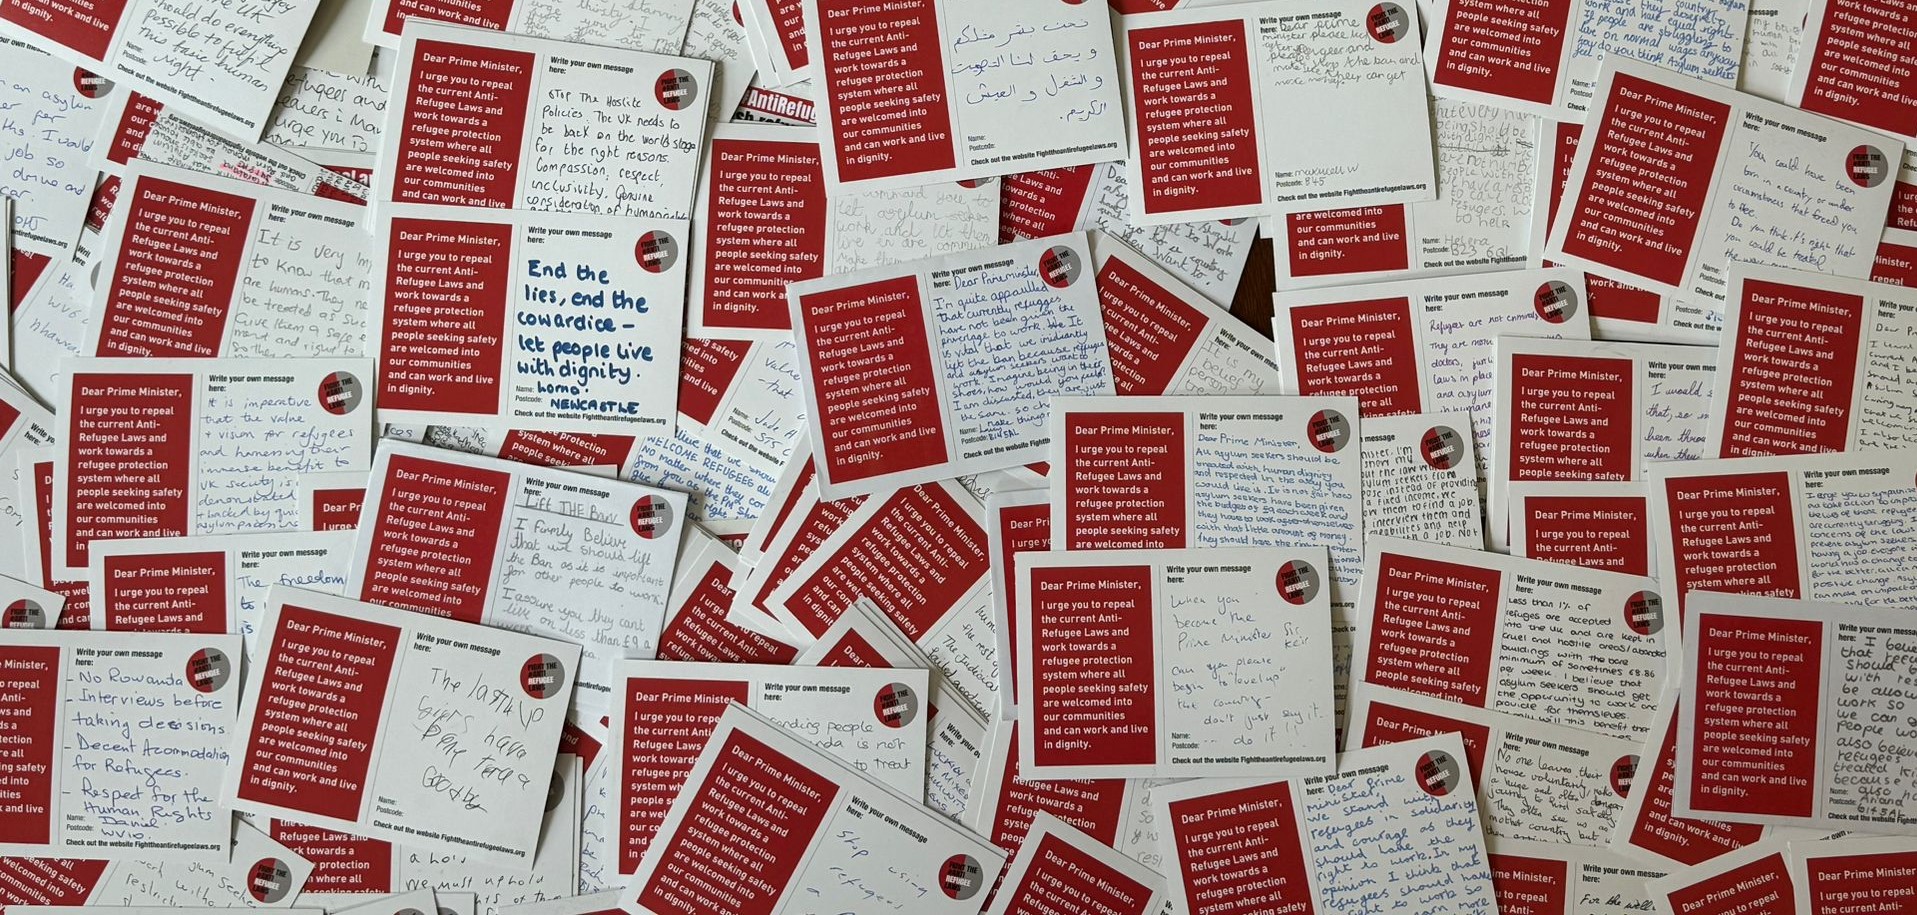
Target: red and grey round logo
column 656, row 251
column 1556, row 302
column 1622, row 772
column 24, row 613
column 91, row 85
column 1059, row 267
column 208, row 669
column 1388, row 22
column 340, row 393
column 896, row 705
column 269, row 880
column 1439, row 773
column 1867, row 166
column 1441, row 447
column 973, row 184
column 961, row 877
column 1328, row 431
column 542, row 676
column 1644, row 613
column 651, row 517
column 676, row 89
column 1297, row 582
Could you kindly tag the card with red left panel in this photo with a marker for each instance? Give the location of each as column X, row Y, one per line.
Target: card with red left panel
column 34, row 473
column 1165, row 338
column 180, row 447
column 1596, row 525
column 1820, row 692
column 1062, row 870
column 1535, row 878
column 401, row 726
column 25, row 424
column 55, row 111
column 209, row 584
column 85, row 776
column 1860, row 874
column 1754, row 880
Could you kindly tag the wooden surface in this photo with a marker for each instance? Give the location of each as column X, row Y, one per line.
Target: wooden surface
column 1252, row 305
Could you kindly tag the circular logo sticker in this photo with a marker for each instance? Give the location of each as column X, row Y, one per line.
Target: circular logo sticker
column 1328, row 431
column 1388, row 22
column 896, row 705
column 974, row 183
column 1556, row 302
column 676, row 89
column 1644, row 613
column 208, row 669
column 91, row 85
column 340, row 393
column 541, row 676
column 24, row 613
column 1441, row 447
column 961, row 877
column 1438, row 773
column 1867, row 166
column 1059, row 267
column 1297, row 582
column 269, row 880
column 555, row 792
column 651, row 517
column 1622, row 772
column 657, row 251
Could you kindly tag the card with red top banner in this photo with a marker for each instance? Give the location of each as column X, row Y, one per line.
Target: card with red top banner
column 872, row 719
column 1796, row 713
column 1755, row 880
column 762, row 219
column 535, row 549
column 1165, row 338
column 1813, row 363
column 181, row 447
column 1546, row 878
column 645, row 25
column 208, row 584
column 1061, row 870
column 1677, row 178
column 221, row 66
column 613, row 131
column 1535, row 781
column 561, row 323
column 923, row 91
column 198, row 266
column 1274, row 108
column 1175, row 663
column 434, row 733
column 1866, row 875
column 844, row 840
column 1596, row 525
column 1576, row 411
column 1562, row 644
column 1824, row 527
column 945, row 366
column 86, row 777
column 1243, row 846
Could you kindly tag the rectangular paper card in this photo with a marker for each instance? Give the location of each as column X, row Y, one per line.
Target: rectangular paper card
column 1004, row 802
column 1649, row 829
column 1175, row 663
column 173, row 140
column 1016, row 522
column 945, row 366
column 741, row 419
column 1251, row 845
column 648, row 25
column 696, row 625
column 203, row 446
column 25, row 425
column 222, row 64
column 614, row 131
column 1533, row 878
column 1618, row 311
column 518, row 319
column 1871, row 875
column 1421, row 479
column 208, row 584
column 1716, row 176
column 1814, row 363
column 86, row 777
column 1817, row 691
column 843, row 839
column 1755, row 880
column 1535, row 781
column 872, row 719
column 1576, row 411
column 1303, row 106
column 1827, row 79
column 198, row 265
column 534, row 549
column 258, row 873
column 1826, row 527
column 1562, row 644
column 763, row 220
column 1165, row 338
column 56, row 110
column 962, row 89
column 1060, row 869
column 1596, row 525
column 429, row 732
